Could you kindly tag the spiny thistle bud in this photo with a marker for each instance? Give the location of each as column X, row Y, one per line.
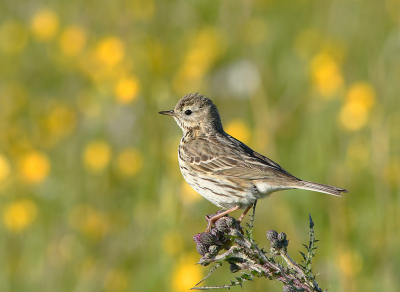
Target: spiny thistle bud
column 224, row 224
column 272, row 234
column 215, row 232
column 196, row 238
column 206, row 238
column 202, row 249
column 282, row 236
column 275, row 243
column 203, row 242
column 213, row 249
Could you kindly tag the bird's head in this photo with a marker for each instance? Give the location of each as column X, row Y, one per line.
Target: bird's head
column 194, row 111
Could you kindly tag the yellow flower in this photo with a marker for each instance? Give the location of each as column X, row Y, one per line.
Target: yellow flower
column 110, row 51
column 353, row 116
column 129, row 162
column 187, row 274
column 89, row 221
column 34, row 167
column 326, row 75
column 4, row 168
column 13, row 37
column 204, row 49
column 96, row 156
column 72, row 40
column 102, row 67
column 116, row 281
column 359, row 100
column 239, row 130
column 202, row 55
column 127, row 89
column 350, row 263
column 44, row 24
column 19, row 215
column 61, row 121
column 362, row 93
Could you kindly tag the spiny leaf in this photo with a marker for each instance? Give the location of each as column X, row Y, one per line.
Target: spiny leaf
column 246, row 277
column 255, row 273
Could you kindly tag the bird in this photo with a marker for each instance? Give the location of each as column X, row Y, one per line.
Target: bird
column 222, row 169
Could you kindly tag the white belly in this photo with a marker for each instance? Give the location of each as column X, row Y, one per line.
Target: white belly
column 266, row 189
column 219, row 191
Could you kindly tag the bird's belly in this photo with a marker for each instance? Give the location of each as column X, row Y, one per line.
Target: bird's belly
column 220, row 191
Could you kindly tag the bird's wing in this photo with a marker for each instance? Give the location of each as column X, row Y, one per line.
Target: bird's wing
column 225, row 156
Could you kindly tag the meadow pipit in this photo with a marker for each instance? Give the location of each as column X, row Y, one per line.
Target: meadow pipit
column 224, row 170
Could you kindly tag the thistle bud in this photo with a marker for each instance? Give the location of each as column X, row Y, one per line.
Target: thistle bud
column 282, row 236
column 202, row 249
column 206, row 238
column 275, row 243
column 224, row 224
column 213, row 249
column 203, row 242
column 272, row 234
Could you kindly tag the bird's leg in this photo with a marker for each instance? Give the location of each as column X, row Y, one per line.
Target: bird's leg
column 216, row 217
column 244, row 214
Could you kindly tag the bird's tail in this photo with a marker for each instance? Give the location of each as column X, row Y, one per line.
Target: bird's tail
column 312, row 186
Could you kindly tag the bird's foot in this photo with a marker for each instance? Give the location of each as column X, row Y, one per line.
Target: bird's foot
column 215, row 217
column 209, row 223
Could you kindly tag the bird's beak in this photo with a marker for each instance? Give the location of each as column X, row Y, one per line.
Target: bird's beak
column 167, row 113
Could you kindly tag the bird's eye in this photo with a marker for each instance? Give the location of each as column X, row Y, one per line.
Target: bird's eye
column 188, row 112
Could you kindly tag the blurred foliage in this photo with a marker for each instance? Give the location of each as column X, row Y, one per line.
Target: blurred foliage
column 91, row 197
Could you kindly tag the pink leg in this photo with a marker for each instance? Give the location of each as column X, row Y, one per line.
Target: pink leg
column 216, row 217
column 244, row 214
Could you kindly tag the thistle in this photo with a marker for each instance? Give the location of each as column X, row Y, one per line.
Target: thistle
column 226, row 243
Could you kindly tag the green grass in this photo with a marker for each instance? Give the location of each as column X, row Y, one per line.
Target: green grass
column 91, row 197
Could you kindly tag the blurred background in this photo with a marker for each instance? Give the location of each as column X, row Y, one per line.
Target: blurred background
column 91, row 196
